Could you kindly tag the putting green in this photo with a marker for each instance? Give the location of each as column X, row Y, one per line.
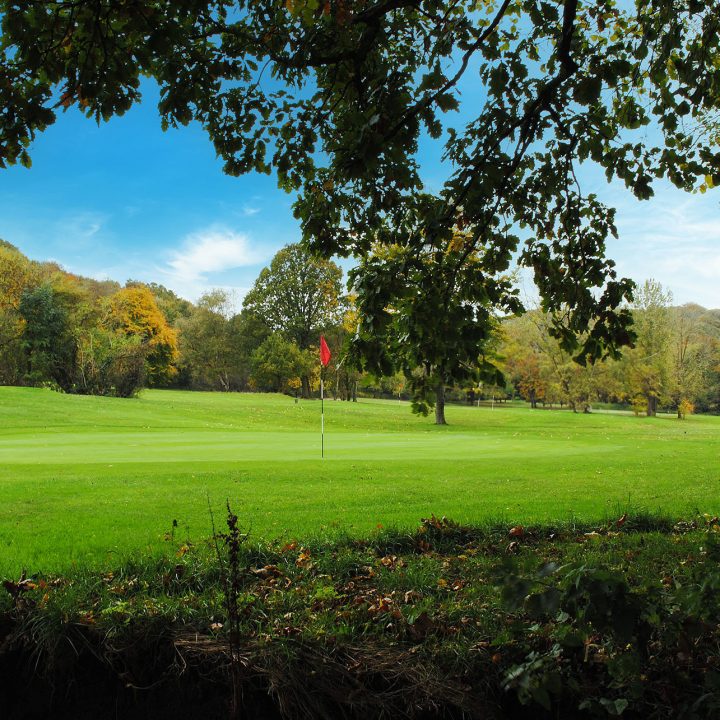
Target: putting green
column 81, row 477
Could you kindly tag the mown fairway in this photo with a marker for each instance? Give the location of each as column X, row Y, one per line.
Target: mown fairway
column 86, row 479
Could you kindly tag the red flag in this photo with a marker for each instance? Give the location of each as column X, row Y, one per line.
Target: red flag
column 324, row 352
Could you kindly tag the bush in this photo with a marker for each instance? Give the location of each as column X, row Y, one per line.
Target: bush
column 685, row 408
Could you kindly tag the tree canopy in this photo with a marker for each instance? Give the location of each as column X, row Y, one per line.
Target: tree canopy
column 298, row 295
column 335, row 95
column 431, row 320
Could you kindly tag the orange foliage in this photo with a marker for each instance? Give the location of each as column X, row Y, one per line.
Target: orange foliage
column 134, row 312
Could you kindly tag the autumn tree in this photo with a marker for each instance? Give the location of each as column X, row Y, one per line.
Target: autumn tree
column 298, row 296
column 630, row 88
column 524, row 363
column 538, row 363
column 134, row 313
column 17, row 275
column 171, row 305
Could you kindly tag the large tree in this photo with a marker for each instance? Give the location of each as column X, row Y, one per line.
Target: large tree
column 335, row 96
column 298, row 296
column 431, row 316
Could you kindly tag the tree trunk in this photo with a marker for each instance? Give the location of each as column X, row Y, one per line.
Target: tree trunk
column 440, row 405
column 651, row 406
column 305, row 380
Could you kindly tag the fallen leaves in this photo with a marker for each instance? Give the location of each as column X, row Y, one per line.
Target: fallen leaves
column 391, row 562
column 267, row 571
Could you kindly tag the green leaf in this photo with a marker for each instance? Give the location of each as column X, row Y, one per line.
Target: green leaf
column 587, row 91
column 614, row 707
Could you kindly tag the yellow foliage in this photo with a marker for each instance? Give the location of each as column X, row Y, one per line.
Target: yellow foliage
column 685, row 408
column 16, row 274
column 134, row 312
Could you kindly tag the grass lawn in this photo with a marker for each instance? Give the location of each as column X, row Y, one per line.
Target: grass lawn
column 89, row 480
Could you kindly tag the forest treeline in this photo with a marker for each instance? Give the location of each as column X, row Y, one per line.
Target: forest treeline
column 80, row 335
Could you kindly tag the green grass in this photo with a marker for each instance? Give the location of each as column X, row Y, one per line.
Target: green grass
column 449, row 617
column 84, row 480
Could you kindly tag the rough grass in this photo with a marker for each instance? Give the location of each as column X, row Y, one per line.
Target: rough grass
column 442, row 621
column 89, row 481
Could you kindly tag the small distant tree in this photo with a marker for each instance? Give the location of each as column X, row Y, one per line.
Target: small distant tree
column 277, row 363
column 396, row 384
column 685, row 407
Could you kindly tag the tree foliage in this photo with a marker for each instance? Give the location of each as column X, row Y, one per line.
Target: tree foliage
column 432, row 317
column 210, row 346
column 673, row 364
column 298, row 295
column 47, row 337
column 335, row 97
column 134, row 313
column 16, row 275
column 279, row 365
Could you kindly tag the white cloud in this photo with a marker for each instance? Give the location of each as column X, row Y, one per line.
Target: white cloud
column 249, row 211
column 214, row 258
column 675, row 239
column 213, row 250
column 80, row 230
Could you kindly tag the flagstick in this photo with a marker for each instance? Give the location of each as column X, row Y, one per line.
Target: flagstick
column 324, row 360
column 322, row 418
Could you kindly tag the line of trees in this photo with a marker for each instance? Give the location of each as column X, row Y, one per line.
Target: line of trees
column 674, row 363
column 80, row 335
column 83, row 336
column 628, row 88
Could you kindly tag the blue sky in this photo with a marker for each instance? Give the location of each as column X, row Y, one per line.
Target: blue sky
column 126, row 200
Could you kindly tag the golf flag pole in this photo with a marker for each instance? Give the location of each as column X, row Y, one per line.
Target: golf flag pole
column 324, row 360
